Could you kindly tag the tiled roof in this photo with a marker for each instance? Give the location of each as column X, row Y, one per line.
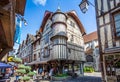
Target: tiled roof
column 90, row 37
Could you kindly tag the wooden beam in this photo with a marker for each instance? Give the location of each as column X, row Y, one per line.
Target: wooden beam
column 20, row 6
column 4, row 2
column 2, row 54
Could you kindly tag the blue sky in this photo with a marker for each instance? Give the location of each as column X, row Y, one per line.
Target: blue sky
column 35, row 9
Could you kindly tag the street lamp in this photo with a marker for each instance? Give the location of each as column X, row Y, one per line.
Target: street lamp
column 84, row 6
column 22, row 19
column 25, row 22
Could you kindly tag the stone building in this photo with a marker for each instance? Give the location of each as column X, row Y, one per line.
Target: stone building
column 92, row 51
column 61, row 43
column 108, row 23
column 8, row 9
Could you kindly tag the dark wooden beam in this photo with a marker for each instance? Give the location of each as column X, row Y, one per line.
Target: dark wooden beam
column 99, row 40
column 20, row 6
column 4, row 2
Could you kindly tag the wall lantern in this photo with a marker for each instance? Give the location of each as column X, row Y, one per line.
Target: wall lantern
column 84, row 6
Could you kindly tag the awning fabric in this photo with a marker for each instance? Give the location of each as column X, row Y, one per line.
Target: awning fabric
column 4, row 65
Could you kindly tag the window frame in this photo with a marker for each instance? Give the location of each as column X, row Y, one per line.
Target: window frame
column 114, row 26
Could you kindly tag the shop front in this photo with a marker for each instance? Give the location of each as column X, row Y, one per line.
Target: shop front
column 112, row 67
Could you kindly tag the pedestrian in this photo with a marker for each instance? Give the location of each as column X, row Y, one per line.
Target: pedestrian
column 40, row 70
column 51, row 73
column 34, row 76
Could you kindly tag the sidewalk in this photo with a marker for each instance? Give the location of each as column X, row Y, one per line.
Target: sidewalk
column 95, row 74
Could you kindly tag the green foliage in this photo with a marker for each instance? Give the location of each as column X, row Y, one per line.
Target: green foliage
column 25, row 78
column 88, row 69
column 21, row 66
column 31, row 73
column 22, row 71
column 27, row 67
column 118, row 64
column 17, row 60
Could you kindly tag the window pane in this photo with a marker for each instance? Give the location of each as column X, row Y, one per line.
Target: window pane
column 46, row 39
column 117, row 24
column 117, row 17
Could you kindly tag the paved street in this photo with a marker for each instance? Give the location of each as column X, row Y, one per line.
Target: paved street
column 94, row 74
column 84, row 79
column 88, row 77
column 77, row 79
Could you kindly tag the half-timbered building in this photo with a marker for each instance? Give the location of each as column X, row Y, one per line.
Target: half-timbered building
column 61, row 42
column 8, row 9
column 108, row 23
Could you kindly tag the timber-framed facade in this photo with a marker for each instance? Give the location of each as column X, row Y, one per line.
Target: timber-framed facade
column 108, row 23
column 61, row 42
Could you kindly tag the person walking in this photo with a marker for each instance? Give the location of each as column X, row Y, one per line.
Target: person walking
column 51, row 73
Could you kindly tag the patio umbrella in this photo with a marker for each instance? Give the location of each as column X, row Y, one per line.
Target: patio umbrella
column 4, row 65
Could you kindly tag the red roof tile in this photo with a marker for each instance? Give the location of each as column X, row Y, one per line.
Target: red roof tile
column 90, row 37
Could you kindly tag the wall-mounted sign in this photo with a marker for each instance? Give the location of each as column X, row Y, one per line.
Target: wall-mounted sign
column 10, row 58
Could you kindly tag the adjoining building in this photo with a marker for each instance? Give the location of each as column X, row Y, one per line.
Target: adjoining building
column 108, row 23
column 8, row 9
column 25, row 49
column 61, row 42
column 92, row 51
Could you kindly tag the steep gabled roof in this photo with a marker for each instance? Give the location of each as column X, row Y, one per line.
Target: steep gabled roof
column 90, row 37
column 73, row 14
column 46, row 16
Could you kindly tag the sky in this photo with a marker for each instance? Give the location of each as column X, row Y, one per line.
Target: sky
column 35, row 9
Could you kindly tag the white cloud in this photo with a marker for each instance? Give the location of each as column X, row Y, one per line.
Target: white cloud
column 40, row 2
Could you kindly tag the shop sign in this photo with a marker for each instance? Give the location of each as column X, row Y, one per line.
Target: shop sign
column 10, row 59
